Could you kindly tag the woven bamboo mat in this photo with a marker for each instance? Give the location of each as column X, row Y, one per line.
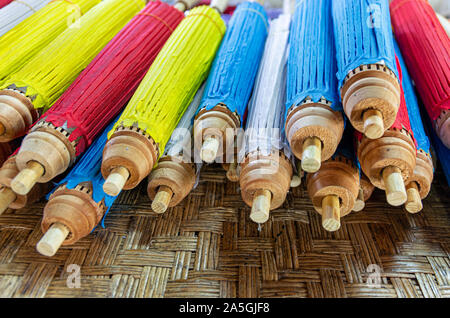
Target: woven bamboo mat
column 208, row 247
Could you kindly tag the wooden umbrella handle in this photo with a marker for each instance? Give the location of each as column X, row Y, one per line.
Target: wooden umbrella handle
column 27, row 178
column 413, row 202
column 261, row 206
column 7, row 196
column 312, row 154
column 331, row 213
column 116, row 181
column 219, row 5
column 162, row 199
column 297, row 177
column 395, row 187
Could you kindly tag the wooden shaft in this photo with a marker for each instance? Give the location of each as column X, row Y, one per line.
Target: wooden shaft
column 116, row 181
column 395, row 187
column 296, row 181
column 52, row 239
column 312, row 154
column 16, row 114
column 443, row 127
column 7, row 196
column 209, row 149
column 373, row 124
column 444, row 133
column 2, row 129
column 359, row 203
column 173, row 177
column 219, row 5
column 162, row 199
column 184, row 5
column 413, row 201
column 180, row 6
column 27, row 178
column 261, row 206
column 331, row 213
column 233, row 172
